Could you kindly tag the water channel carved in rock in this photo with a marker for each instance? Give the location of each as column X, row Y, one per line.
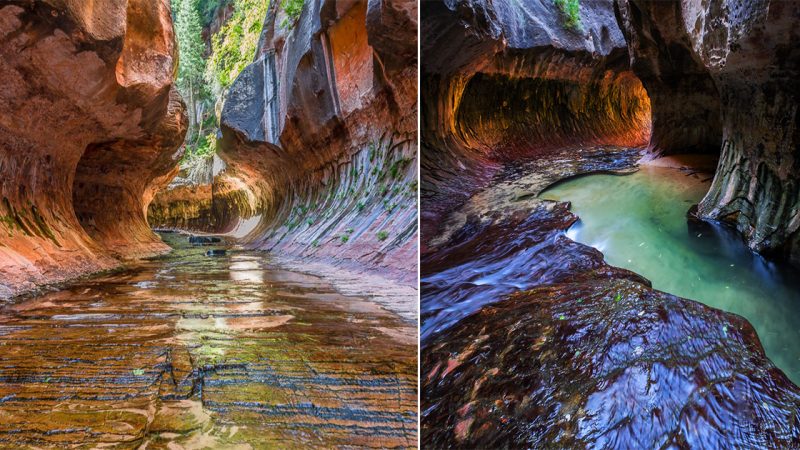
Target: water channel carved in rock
column 274, row 147
column 531, row 338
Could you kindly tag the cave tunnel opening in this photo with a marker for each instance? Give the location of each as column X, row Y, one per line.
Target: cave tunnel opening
column 520, row 117
column 109, row 193
column 512, row 116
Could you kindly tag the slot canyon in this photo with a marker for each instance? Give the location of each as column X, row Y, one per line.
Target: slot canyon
column 282, row 136
column 609, row 224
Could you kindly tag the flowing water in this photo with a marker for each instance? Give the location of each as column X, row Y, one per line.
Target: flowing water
column 639, row 223
column 205, row 352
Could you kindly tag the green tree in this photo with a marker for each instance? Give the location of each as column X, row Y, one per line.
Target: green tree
column 189, row 33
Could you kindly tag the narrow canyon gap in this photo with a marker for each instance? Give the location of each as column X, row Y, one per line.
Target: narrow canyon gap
column 276, row 304
column 531, row 339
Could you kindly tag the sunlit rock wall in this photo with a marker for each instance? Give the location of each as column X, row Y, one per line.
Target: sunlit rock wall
column 89, row 129
column 750, row 51
column 508, row 81
column 188, row 202
column 321, row 132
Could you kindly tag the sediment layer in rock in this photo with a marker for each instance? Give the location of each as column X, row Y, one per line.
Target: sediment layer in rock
column 319, row 138
column 89, row 128
column 196, row 352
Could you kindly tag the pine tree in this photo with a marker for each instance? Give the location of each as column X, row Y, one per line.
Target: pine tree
column 188, row 30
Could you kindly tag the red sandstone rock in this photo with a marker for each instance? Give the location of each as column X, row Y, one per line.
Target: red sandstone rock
column 89, row 127
column 319, row 138
column 509, row 81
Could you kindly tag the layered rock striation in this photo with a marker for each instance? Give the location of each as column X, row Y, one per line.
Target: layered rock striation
column 512, row 81
column 90, row 125
column 721, row 76
column 319, row 138
column 529, row 338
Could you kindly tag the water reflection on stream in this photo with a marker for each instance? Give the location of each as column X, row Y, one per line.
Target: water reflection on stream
column 225, row 352
column 639, row 223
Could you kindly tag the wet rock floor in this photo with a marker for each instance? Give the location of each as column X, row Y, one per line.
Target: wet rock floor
column 531, row 340
column 188, row 351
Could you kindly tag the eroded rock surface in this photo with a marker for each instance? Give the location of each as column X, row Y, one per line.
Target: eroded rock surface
column 187, row 351
column 319, row 138
column 509, row 81
column 531, row 340
column 89, row 128
column 733, row 66
column 197, row 199
column 604, row 364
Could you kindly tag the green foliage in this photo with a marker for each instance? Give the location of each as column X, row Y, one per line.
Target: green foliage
column 234, row 46
column 571, row 11
column 292, row 8
column 190, row 81
column 345, row 238
column 189, row 33
column 203, row 148
column 395, row 168
column 382, row 235
column 372, row 151
column 208, row 9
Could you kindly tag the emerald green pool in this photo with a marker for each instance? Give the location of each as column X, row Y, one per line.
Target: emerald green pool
column 639, row 223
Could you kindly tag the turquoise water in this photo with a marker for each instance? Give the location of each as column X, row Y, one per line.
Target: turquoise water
column 639, row 223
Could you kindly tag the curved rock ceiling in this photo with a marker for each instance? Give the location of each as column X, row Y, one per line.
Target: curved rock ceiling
column 90, row 126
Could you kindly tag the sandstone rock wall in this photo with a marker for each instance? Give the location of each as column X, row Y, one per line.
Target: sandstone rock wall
column 684, row 99
column 89, row 128
column 529, row 338
column 741, row 65
column 508, row 81
column 187, row 203
column 320, row 133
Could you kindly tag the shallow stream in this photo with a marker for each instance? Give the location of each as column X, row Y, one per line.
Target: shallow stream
column 205, row 352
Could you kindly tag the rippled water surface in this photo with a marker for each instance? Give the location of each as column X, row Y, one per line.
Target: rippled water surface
column 189, row 351
column 639, row 223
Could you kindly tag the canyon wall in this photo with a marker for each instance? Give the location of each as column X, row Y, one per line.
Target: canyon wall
column 529, row 339
column 90, row 125
column 723, row 74
column 319, row 140
column 511, row 81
